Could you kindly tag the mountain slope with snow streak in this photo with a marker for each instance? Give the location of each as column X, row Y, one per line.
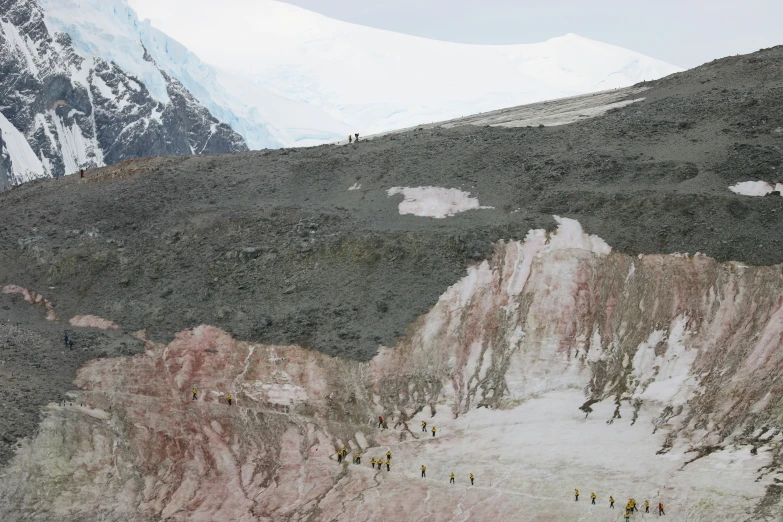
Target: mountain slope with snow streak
column 377, row 80
column 82, row 104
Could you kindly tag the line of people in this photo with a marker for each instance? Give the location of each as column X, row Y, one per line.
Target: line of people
column 357, row 459
column 630, row 506
column 229, row 398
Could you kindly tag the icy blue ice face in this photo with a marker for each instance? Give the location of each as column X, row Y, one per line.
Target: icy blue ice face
column 108, row 29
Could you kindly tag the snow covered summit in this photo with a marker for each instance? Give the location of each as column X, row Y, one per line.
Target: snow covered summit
column 336, row 77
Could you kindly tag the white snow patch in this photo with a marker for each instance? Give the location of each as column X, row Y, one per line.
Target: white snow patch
column 13, row 37
column 103, row 87
column 73, row 145
column 756, row 188
column 25, row 165
column 569, row 234
column 355, row 186
column 435, row 202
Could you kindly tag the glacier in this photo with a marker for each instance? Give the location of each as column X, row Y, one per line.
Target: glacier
column 310, row 79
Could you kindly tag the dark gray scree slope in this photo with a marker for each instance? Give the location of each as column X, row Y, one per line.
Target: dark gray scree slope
column 273, row 247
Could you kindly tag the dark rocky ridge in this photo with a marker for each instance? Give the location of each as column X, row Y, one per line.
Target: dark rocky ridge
column 273, row 247
column 41, row 98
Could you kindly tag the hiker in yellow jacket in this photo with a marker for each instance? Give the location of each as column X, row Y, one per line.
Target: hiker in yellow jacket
column 592, row 497
column 576, row 495
column 471, row 479
column 423, row 427
column 451, row 480
column 423, row 471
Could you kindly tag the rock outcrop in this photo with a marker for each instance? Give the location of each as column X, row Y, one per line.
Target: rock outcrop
column 78, row 111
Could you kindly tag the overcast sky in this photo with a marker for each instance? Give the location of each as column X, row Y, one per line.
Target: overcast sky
column 681, row 32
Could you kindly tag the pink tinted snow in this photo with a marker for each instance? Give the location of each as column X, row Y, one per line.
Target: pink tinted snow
column 499, row 365
column 33, row 298
column 92, row 321
column 435, row 202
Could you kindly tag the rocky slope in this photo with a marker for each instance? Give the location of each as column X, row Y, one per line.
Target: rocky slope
column 75, row 111
column 419, row 276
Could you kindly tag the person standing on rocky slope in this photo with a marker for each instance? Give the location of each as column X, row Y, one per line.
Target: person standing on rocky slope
column 423, row 471
column 471, row 479
column 388, row 465
column 592, row 498
column 433, row 431
column 451, row 479
column 388, row 455
column 372, row 463
column 229, row 399
column 576, row 495
column 195, row 393
column 339, row 457
column 380, row 421
column 611, row 502
column 660, row 509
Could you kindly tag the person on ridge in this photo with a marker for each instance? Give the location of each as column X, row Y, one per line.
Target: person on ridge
column 423, row 424
column 345, row 452
column 660, row 509
column 646, row 506
column 372, row 463
column 611, row 502
column 380, row 421
column 339, row 456
column 471, row 479
column 388, row 465
column 357, row 137
column 433, row 431
column 195, row 392
column 229, row 399
column 350, row 139
column 423, row 471
column 358, row 458
column 388, row 455
column 65, row 338
column 451, row 480
column 592, row 497
column 576, row 495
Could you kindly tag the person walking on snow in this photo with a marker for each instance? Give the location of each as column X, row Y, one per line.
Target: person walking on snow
column 451, row 480
column 388, row 465
column 358, row 458
column 471, row 479
column 576, row 495
column 372, row 463
column 339, row 457
column 388, row 455
column 423, row 424
column 611, row 502
column 660, row 509
column 229, row 399
column 195, row 392
column 350, row 139
column 646, row 506
column 627, row 517
column 423, row 471
column 592, row 497
column 345, row 452
column 433, row 431
column 380, row 421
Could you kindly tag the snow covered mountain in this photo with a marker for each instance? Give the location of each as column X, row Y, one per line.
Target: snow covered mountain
column 65, row 106
column 87, row 83
column 370, row 80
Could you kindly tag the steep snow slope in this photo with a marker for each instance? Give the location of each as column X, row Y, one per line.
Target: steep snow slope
column 378, row 80
column 556, row 365
column 95, row 99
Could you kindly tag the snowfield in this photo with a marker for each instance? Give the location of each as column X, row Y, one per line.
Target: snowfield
column 558, row 365
column 339, row 78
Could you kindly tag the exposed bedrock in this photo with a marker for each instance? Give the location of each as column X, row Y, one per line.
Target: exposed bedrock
column 558, row 364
